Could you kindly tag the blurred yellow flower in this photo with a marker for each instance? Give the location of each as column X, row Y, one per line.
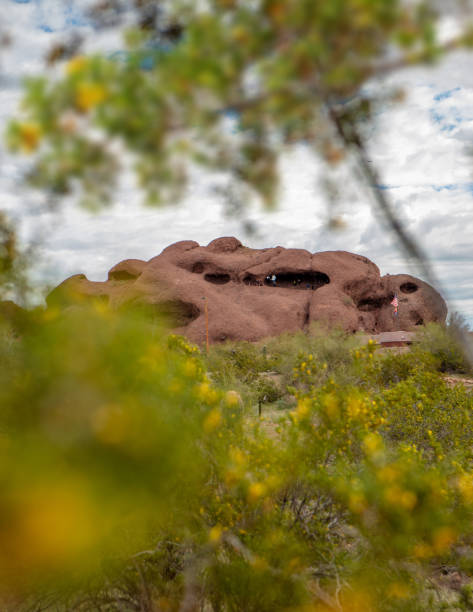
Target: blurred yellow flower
column 76, row 64
column 233, row 398
column 30, row 135
column 255, row 491
column 357, row 502
column 206, row 394
column 396, row 496
column 398, row 590
column 422, row 551
column 190, row 368
column 388, row 473
column 443, row 539
column 89, row 94
column 303, row 408
column 212, row 420
column 215, row 534
column 237, row 456
column 465, row 486
column 373, row 445
column 53, row 524
column 330, row 403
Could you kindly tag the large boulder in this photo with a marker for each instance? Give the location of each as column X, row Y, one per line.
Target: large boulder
column 335, row 287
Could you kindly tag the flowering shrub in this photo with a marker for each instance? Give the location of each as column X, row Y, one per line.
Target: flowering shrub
column 133, row 478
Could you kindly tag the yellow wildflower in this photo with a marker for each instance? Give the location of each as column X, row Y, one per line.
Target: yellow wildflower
column 398, row 590
column 212, row 420
column 30, row 135
column 233, row 398
column 330, row 403
column 76, row 64
column 255, row 491
column 89, row 94
column 373, row 445
column 190, row 368
column 422, row 551
column 443, row 539
column 215, row 534
column 388, row 474
column 357, row 502
column 303, row 408
column 206, row 394
column 465, row 486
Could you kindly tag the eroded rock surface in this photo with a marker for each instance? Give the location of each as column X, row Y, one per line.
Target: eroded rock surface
column 336, row 287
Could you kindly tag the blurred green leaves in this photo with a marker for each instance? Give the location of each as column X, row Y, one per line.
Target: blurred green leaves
column 278, row 68
column 129, row 474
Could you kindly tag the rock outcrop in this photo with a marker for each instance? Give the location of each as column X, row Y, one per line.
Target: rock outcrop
column 336, row 287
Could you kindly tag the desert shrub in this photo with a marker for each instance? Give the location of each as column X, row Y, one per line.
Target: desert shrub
column 243, row 361
column 440, row 342
column 267, row 390
column 132, row 480
column 425, row 412
column 330, row 352
column 380, row 369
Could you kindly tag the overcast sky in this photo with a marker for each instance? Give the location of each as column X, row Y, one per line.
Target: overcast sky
column 421, row 146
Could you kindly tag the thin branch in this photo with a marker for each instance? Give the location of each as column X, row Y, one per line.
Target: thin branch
column 353, row 141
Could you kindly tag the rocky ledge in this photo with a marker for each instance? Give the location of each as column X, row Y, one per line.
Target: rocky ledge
column 255, row 293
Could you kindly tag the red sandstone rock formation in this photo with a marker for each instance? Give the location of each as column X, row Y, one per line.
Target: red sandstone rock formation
column 337, row 287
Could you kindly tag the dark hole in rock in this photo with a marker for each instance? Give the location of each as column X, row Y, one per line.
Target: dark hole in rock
column 178, row 313
column 301, row 280
column 408, row 287
column 416, row 318
column 217, row 279
column 198, row 268
column 368, row 304
column 122, row 275
column 252, row 281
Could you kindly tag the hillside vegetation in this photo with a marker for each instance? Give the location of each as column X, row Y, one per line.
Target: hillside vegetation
column 137, row 474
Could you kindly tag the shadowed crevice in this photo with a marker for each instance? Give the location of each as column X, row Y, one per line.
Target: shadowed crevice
column 369, row 304
column 300, row 280
column 179, row 313
column 408, row 287
column 217, row 279
column 122, row 275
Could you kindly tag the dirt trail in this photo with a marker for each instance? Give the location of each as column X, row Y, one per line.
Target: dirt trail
column 453, row 381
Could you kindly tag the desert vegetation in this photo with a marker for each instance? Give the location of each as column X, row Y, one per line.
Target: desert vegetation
column 309, row 473
column 138, row 474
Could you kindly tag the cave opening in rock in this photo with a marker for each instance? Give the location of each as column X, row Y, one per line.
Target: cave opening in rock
column 122, row 275
column 198, row 267
column 416, row 318
column 217, row 279
column 374, row 303
column 177, row 312
column 408, row 287
column 299, row 280
column 252, row 281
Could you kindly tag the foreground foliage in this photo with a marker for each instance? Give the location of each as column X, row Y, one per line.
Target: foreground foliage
column 225, row 84
column 136, row 474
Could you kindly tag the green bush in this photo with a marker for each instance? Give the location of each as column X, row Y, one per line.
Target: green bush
column 441, row 343
column 132, row 480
